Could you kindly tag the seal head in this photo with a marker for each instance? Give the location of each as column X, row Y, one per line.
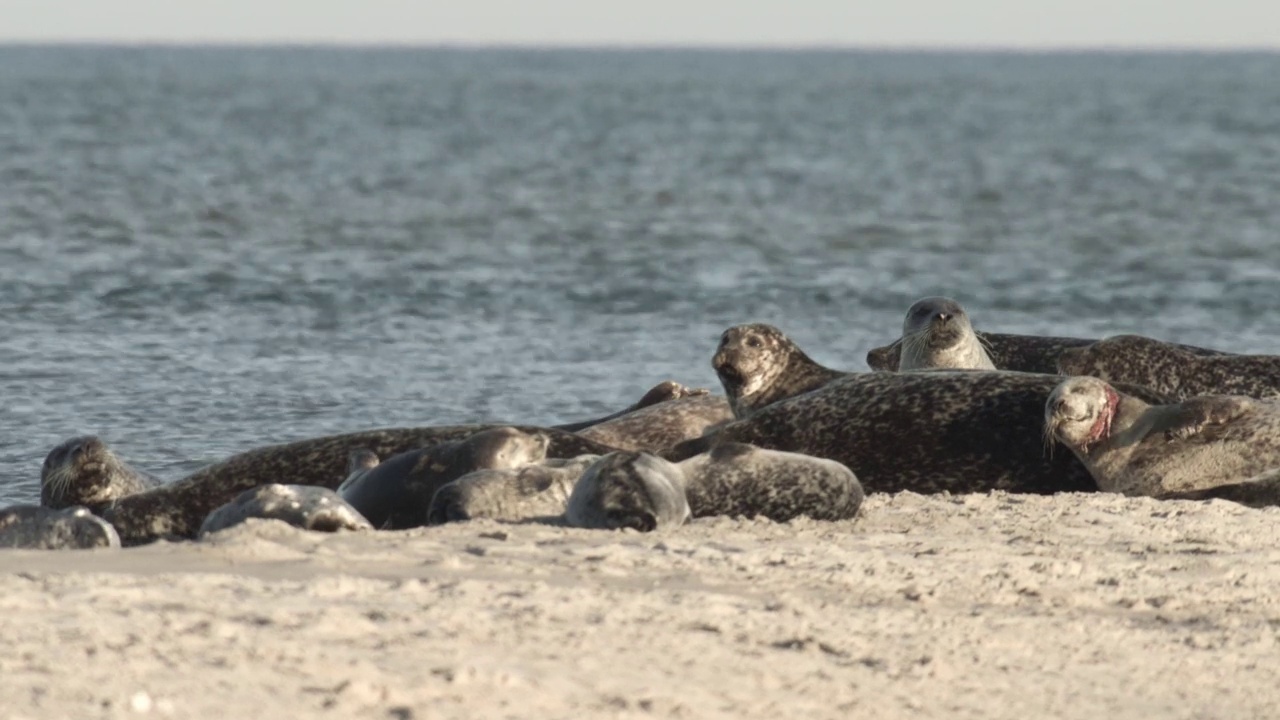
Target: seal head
column 84, row 471
column 758, row 365
column 629, row 490
column 936, row 333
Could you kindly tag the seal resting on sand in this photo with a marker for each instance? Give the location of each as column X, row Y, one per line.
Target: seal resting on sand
column 532, row 492
column 84, row 471
column 936, row 334
column 658, row 427
column 645, row 492
column 35, row 527
column 302, row 506
column 758, row 365
column 1172, row 369
column 1135, row 448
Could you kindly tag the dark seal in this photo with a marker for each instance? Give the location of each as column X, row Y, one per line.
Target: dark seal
column 35, row 527
column 1172, row 369
column 84, row 471
column 758, row 365
column 936, row 334
column 302, row 506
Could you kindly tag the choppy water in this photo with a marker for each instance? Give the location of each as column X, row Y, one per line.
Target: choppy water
column 202, row 251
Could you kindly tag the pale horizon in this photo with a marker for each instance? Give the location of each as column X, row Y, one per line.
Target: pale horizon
column 1047, row 25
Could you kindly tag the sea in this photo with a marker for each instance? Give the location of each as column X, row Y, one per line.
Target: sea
column 208, row 249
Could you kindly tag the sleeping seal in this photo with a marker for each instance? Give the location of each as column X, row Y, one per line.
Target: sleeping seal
column 537, row 491
column 936, row 334
column 36, row 527
column 302, row 506
column 1172, row 369
column 758, row 365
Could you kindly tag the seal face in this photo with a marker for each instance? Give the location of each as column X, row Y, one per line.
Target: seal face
column 538, row 491
column 936, row 333
column 1134, row 448
column 306, row 507
column 629, row 490
column 1173, row 369
column 84, row 471
column 35, row 527
column 758, row 365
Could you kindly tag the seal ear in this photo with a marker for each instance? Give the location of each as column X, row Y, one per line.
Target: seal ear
column 731, row 450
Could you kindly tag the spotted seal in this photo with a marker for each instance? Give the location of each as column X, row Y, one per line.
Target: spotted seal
column 1135, row 448
column 663, row 392
column 925, row 431
column 36, row 527
column 177, row 510
column 84, row 471
column 646, row 492
column 397, row 493
column 658, row 427
column 537, row 491
column 1171, row 369
column 758, row 365
column 936, row 334
column 302, row 506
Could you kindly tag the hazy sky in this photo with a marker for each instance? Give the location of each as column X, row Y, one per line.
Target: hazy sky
column 932, row 23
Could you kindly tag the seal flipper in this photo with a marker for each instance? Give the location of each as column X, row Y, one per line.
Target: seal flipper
column 1198, row 413
column 1258, row 491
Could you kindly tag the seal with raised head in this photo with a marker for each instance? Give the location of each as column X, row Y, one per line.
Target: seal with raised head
column 1135, row 448
column 302, row 506
column 537, row 491
column 397, row 493
column 1171, row 369
column 925, row 431
column 36, row 527
column 758, row 365
column 84, row 471
column 936, row 334
column 645, row 492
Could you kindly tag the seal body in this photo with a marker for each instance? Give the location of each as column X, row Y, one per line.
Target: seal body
column 1172, row 369
column 36, row 527
column 660, row 426
column 758, row 365
column 664, row 391
column 925, row 431
column 936, row 333
column 1135, row 448
column 538, row 491
column 302, row 506
column 84, row 471
column 741, row 480
column 397, row 493
column 628, row 489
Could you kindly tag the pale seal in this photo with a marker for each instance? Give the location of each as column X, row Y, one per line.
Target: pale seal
column 84, row 471
column 645, row 492
column 36, row 527
column 925, row 431
column 758, row 365
column 1172, row 369
column 657, row 428
column 936, row 334
column 397, row 493
column 538, row 491
column 1135, row 448
column 302, row 506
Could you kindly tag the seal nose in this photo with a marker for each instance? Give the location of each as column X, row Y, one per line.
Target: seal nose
column 943, row 316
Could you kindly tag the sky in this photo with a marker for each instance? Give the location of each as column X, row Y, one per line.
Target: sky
column 1015, row 24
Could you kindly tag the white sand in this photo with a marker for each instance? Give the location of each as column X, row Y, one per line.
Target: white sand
column 927, row 607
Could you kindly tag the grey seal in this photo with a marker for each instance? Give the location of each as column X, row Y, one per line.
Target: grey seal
column 925, row 431
column 84, row 471
column 1172, row 369
column 538, row 491
column 660, row 426
column 302, row 506
column 663, row 392
column 36, row 527
column 758, row 365
column 645, row 492
column 936, row 333
column 397, row 493
column 1135, row 448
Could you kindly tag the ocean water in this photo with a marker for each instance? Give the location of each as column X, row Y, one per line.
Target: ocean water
column 207, row 250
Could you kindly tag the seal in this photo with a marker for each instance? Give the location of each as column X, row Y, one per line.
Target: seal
column 397, row 493
column 663, row 392
column 302, row 506
column 84, row 471
column 645, row 492
column 359, row 462
column 936, row 333
column 925, row 431
column 758, row 365
column 1135, row 448
column 660, row 426
column 538, row 491
column 36, row 527
column 177, row 510
column 1171, row 369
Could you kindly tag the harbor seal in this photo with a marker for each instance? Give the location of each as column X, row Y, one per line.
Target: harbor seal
column 1171, row 369
column 178, row 509
column 84, row 471
column 397, row 493
column 925, row 431
column 1135, row 448
column 660, row 426
column 663, row 392
column 538, row 491
column 758, row 365
column 645, row 492
column 936, row 334
column 302, row 506
column 36, row 527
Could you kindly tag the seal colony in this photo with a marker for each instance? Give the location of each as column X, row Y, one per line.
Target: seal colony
column 962, row 411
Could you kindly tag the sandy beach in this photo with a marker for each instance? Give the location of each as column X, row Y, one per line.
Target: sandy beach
column 981, row 606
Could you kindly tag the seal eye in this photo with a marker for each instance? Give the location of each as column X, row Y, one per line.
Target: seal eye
column 754, row 342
